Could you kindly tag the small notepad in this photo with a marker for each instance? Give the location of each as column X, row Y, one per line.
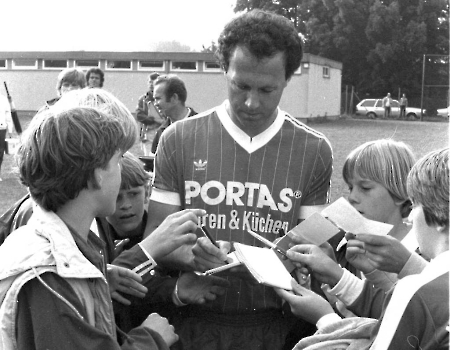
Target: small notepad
column 263, row 264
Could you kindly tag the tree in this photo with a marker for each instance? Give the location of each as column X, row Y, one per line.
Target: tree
column 212, row 48
column 381, row 43
column 170, row 46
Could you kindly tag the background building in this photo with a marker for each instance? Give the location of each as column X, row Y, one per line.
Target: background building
column 314, row 90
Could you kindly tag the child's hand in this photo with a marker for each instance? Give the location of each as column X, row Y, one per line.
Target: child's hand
column 176, row 230
column 356, row 254
column 320, row 264
column 195, row 289
column 326, row 247
column 163, row 327
column 207, row 255
column 384, row 253
column 305, row 303
column 123, row 280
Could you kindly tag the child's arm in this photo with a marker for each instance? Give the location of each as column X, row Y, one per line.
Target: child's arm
column 384, row 253
column 174, row 232
column 308, row 305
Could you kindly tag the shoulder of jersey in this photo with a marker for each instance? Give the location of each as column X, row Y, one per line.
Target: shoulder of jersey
column 302, row 125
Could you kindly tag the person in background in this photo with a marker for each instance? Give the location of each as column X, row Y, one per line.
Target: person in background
column 414, row 313
column 403, row 105
column 170, row 96
column 69, row 79
column 249, row 165
column 149, row 122
column 6, row 125
column 95, row 78
column 387, row 104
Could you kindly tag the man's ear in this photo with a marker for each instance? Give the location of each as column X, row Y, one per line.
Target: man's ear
column 174, row 97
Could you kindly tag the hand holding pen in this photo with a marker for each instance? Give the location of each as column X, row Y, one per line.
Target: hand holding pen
column 208, row 253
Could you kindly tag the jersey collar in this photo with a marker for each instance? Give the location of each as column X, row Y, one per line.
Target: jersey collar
column 250, row 144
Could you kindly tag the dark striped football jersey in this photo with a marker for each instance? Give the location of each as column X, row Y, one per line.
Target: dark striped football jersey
column 257, row 183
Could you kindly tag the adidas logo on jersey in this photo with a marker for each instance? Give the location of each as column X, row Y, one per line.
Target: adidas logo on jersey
column 200, row 165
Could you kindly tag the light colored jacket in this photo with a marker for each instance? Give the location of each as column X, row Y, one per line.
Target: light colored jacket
column 46, row 245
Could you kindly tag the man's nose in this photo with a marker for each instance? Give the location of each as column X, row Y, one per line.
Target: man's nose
column 252, row 101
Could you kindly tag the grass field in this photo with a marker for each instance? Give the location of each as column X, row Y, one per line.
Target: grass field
column 344, row 135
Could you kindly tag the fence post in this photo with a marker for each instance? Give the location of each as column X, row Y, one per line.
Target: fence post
column 346, row 97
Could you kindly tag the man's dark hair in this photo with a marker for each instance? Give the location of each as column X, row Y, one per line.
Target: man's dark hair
column 264, row 34
column 174, row 85
column 96, row 71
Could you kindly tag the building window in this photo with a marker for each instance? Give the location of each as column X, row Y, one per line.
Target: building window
column 86, row 64
column 184, row 65
column 117, row 64
column 326, row 72
column 151, row 65
column 2, row 64
column 211, row 67
column 55, row 64
column 24, row 63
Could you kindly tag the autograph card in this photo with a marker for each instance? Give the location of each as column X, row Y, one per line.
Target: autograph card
column 315, row 229
column 346, row 217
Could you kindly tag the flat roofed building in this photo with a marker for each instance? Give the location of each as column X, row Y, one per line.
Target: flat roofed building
column 314, row 90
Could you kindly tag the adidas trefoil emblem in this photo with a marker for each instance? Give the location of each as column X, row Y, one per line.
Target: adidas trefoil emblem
column 200, row 165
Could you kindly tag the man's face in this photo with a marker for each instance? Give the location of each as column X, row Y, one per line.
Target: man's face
column 163, row 104
column 94, row 80
column 255, row 88
column 130, row 208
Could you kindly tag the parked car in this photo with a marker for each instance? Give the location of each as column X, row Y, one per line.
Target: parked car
column 373, row 108
column 443, row 112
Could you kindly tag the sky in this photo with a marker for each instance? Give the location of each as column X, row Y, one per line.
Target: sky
column 110, row 25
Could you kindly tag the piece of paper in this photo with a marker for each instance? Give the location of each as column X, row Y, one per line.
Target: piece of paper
column 346, row 217
column 315, row 229
column 264, row 265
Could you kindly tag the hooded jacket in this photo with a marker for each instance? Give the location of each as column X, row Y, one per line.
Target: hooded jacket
column 46, row 245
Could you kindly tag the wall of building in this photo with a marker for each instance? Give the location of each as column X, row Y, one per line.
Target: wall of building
column 323, row 99
column 308, row 95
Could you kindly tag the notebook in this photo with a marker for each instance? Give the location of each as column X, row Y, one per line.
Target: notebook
column 262, row 263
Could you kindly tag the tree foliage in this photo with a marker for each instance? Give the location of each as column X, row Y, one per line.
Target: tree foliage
column 381, row 43
column 170, row 46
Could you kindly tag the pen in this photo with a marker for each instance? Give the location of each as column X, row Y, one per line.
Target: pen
column 207, row 234
column 267, row 242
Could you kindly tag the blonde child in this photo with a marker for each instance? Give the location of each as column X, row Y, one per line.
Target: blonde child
column 413, row 314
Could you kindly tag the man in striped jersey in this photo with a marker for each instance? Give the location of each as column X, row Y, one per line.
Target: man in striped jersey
column 251, row 166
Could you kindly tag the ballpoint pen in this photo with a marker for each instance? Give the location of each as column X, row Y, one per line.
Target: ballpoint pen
column 267, row 242
column 208, row 235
